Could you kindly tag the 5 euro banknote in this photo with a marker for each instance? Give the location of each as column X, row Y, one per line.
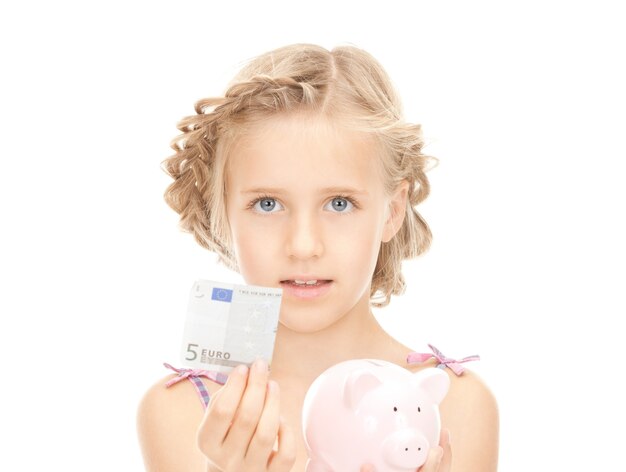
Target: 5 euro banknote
column 229, row 324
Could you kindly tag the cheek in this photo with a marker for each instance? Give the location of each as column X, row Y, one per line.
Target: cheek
column 356, row 245
column 256, row 245
column 353, row 236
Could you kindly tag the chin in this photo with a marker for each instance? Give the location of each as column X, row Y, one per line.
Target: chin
column 305, row 323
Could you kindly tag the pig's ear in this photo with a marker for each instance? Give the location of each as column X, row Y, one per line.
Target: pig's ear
column 435, row 381
column 357, row 384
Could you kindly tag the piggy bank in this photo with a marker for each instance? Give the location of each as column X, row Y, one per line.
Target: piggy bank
column 372, row 411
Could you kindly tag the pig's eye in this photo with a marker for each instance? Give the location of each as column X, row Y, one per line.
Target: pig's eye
column 395, row 408
column 419, row 410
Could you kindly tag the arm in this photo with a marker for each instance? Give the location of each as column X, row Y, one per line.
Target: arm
column 167, row 424
column 470, row 414
column 237, row 432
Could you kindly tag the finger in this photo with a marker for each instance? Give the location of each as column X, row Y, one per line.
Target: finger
column 367, row 468
column 446, row 445
column 266, row 431
column 282, row 459
column 250, row 408
column 215, row 396
column 221, row 410
column 433, row 460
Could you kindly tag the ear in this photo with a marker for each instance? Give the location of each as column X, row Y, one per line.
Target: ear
column 435, row 382
column 357, row 384
column 396, row 211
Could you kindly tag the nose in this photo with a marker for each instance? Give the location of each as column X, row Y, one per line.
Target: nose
column 304, row 240
column 405, row 449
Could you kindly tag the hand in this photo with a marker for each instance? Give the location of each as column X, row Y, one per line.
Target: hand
column 439, row 458
column 242, row 423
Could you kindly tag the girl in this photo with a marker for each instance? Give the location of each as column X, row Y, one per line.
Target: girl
column 303, row 176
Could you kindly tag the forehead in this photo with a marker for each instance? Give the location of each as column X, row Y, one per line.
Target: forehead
column 305, row 151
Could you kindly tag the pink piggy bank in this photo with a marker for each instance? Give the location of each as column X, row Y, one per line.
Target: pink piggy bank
column 372, row 411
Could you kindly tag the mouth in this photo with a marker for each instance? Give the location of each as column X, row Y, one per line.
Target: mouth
column 306, row 288
column 305, row 283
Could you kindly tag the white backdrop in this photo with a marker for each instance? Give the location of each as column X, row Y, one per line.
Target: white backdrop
column 522, row 102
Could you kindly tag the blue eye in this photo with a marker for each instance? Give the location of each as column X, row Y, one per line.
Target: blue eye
column 340, row 204
column 266, row 205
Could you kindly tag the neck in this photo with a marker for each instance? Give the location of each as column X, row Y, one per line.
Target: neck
column 303, row 356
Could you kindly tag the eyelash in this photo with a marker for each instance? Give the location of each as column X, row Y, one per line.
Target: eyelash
column 269, row 197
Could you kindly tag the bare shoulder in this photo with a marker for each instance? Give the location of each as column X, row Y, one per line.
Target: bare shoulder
column 470, row 413
column 167, row 422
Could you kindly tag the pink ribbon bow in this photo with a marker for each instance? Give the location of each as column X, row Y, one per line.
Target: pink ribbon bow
column 453, row 364
column 218, row 377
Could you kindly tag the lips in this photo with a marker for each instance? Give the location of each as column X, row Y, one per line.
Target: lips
column 315, row 288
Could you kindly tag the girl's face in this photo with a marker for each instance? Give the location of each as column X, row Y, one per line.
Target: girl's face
column 305, row 202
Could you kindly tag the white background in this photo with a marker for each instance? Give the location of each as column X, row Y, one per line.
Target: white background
column 522, row 102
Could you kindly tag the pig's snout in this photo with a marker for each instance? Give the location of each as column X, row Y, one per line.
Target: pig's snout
column 406, row 448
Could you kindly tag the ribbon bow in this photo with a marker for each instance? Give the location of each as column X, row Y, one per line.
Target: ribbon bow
column 218, row 377
column 453, row 364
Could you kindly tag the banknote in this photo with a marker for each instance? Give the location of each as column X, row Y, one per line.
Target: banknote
column 229, row 324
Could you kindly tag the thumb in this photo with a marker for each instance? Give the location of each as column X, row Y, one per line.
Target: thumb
column 367, row 468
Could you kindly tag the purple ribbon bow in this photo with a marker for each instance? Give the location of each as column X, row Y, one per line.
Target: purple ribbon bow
column 453, row 364
column 218, row 377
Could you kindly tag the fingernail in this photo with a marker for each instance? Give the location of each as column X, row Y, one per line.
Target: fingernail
column 260, row 365
column 272, row 385
column 242, row 369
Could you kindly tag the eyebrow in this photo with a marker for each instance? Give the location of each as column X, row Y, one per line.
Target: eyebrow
column 274, row 190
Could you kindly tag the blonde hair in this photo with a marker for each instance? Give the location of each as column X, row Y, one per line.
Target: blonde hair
column 345, row 84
